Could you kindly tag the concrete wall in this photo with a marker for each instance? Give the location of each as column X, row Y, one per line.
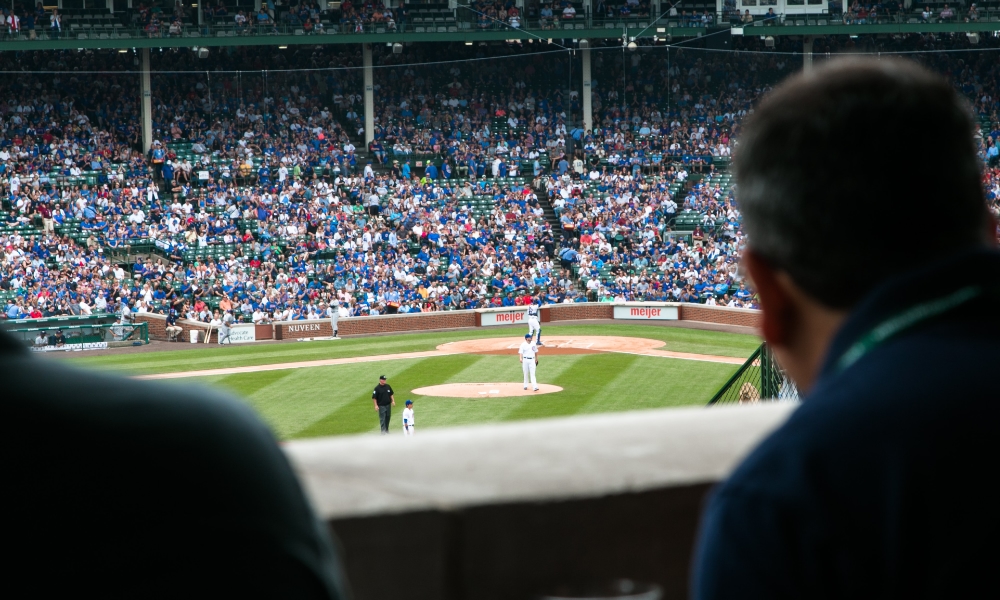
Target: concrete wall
column 461, row 319
column 509, row 511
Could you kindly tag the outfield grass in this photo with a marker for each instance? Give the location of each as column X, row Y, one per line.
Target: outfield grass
column 215, row 357
column 335, row 400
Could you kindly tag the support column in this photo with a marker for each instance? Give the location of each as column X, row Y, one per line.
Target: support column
column 807, row 54
column 588, row 100
column 147, row 104
column 366, row 52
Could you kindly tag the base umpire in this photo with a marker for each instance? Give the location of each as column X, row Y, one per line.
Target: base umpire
column 384, row 400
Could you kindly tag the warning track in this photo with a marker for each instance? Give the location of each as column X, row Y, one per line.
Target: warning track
column 554, row 345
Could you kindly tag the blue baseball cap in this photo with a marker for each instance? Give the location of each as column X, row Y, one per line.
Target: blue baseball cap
column 409, row 402
column 527, row 336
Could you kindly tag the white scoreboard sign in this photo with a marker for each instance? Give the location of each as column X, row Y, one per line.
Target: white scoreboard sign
column 646, row 313
column 509, row 317
column 241, row 334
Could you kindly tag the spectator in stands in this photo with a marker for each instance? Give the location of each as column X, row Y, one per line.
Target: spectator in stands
column 947, row 13
column 55, row 24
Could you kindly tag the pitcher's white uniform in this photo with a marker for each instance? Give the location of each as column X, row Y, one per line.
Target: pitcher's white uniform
column 534, row 327
column 334, row 313
column 527, row 352
column 408, row 423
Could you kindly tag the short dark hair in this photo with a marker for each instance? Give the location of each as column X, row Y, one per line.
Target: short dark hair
column 838, row 170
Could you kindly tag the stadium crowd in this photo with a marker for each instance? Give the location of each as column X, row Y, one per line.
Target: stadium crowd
column 255, row 199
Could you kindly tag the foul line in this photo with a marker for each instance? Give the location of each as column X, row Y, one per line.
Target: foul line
column 729, row 360
column 297, row 365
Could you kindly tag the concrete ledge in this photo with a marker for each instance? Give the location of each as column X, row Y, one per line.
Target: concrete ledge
column 510, row 510
column 548, row 459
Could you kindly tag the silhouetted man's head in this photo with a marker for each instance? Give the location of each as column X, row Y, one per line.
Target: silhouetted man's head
column 857, row 171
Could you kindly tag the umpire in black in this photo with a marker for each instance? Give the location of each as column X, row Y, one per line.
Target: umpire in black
column 874, row 256
column 384, row 400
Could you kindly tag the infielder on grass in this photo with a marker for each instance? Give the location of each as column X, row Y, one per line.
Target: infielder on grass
column 529, row 361
column 409, row 425
column 533, row 323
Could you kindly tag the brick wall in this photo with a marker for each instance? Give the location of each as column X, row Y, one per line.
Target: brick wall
column 572, row 312
column 381, row 324
column 305, row 329
column 455, row 320
column 415, row 322
column 720, row 314
column 158, row 327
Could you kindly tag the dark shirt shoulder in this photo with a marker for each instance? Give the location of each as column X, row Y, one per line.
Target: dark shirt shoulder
column 133, row 483
column 874, row 486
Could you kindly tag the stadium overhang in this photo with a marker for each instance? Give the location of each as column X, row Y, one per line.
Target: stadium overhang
column 187, row 41
column 872, row 29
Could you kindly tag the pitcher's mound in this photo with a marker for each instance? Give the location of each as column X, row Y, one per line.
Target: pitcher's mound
column 484, row 390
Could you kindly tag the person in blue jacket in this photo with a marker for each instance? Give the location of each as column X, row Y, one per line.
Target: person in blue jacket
column 878, row 485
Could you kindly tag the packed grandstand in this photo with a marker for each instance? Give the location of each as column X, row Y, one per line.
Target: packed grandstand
column 481, row 186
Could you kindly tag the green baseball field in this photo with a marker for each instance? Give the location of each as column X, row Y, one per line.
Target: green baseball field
column 319, row 388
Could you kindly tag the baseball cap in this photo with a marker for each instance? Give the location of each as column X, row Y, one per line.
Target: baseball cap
column 409, row 402
column 527, row 336
column 381, row 376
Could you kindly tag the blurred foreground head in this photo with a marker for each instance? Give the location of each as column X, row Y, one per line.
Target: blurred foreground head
column 858, row 171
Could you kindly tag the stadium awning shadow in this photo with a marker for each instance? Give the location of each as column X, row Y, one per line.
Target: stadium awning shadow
column 514, row 510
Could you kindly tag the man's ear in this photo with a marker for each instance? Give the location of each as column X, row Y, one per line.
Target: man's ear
column 991, row 231
column 777, row 306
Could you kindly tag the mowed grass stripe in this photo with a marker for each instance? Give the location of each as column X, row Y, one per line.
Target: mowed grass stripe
column 644, row 383
column 556, row 370
column 356, row 413
column 584, row 380
column 309, row 395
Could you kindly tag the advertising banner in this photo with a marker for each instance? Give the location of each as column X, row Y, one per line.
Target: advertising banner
column 241, row 334
column 506, row 317
column 646, row 313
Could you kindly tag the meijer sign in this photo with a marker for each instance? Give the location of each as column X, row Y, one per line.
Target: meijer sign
column 512, row 317
column 648, row 313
